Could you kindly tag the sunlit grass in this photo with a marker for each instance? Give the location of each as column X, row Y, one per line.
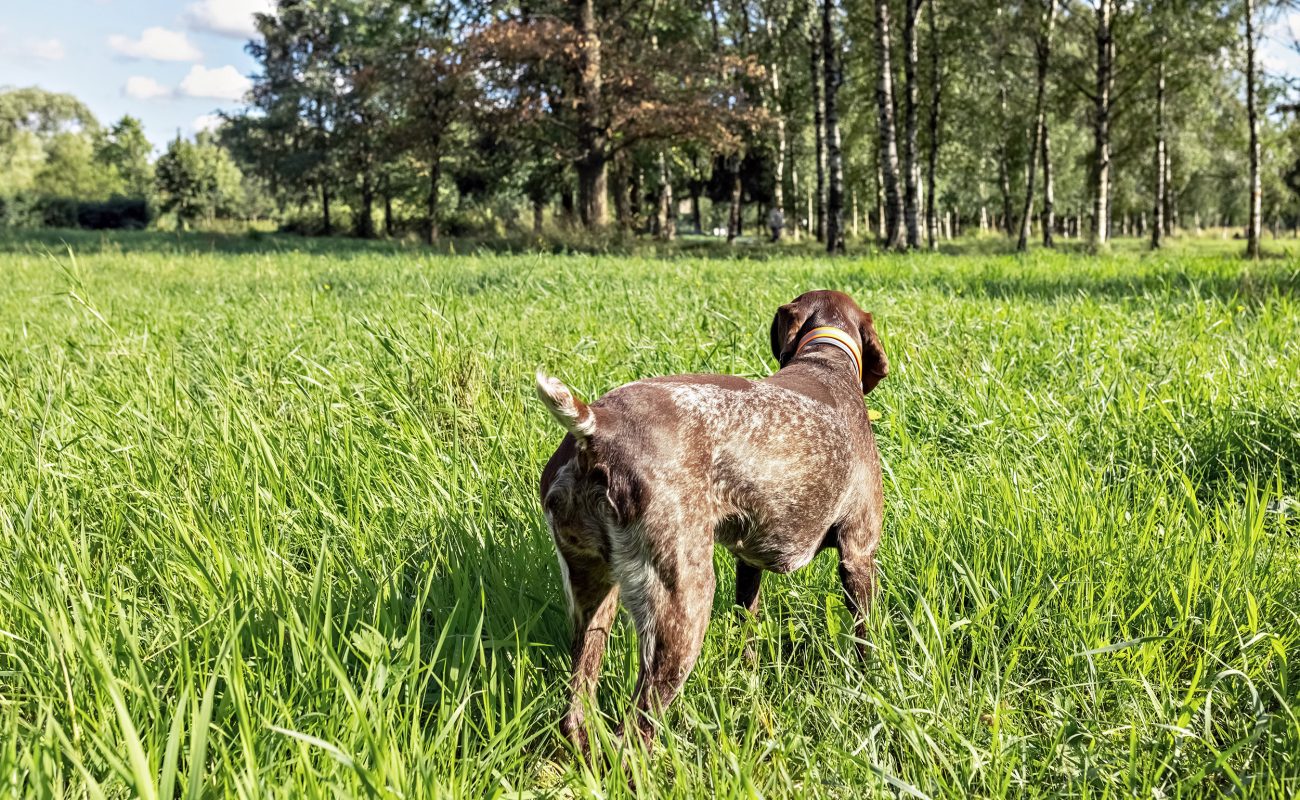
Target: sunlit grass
column 268, row 526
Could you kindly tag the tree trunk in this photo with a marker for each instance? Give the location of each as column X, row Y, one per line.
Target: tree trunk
column 1049, row 191
column 1101, row 125
column 794, row 203
column 1171, row 195
column 388, row 213
column 431, row 209
column 622, row 193
column 880, row 201
column 888, row 134
column 816, row 52
column 593, row 135
column 539, row 207
column 665, row 218
column 912, row 10
column 636, row 192
column 593, row 188
column 736, row 212
column 1043, row 51
column 325, row 208
column 364, row 226
column 812, row 215
column 936, row 94
column 778, row 179
column 1158, row 205
column 1004, row 159
column 568, row 206
column 834, row 155
column 1252, row 117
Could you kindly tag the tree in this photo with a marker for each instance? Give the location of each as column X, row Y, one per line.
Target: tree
column 1253, row 223
column 936, row 97
column 71, row 170
column 910, row 169
column 197, row 181
column 1101, row 123
column 432, row 78
column 564, row 78
column 593, row 129
column 1043, row 51
column 817, row 72
column 1049, row 189
column 834, row 156
column 46, row 145
column 125, row 149
column 297, row 98
column 888, row 135
column 1161, row 154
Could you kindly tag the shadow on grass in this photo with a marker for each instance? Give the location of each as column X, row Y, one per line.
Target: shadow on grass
column 1251, row 447
column 132, row 242
column 1267, row 280
column 690, row 246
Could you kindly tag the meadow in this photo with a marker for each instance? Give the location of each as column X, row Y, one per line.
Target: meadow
column 269, row 525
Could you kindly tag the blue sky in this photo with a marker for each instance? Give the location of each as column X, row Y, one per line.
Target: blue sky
column 172, row 63
column 175, row 63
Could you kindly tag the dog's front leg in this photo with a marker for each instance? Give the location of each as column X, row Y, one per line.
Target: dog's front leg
column 857, row 542
column 747, row 585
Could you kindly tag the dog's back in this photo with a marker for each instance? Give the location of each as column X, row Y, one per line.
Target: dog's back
column 750, row 460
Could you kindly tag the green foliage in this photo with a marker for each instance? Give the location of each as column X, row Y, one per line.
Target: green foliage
column 198, row 181
column 125, row 150
column 270, row 527
column 46, row 145
column 59, row 167
column 71, row 169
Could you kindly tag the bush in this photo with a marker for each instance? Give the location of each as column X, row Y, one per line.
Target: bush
column 117, row 213
column 19, row 211
column 58, row 212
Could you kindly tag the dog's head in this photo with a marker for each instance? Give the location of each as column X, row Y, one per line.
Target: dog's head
column 836, row 309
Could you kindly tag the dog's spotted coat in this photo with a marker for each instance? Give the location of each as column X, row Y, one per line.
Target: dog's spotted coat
column 651, row 475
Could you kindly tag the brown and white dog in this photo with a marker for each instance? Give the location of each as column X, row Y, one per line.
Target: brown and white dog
column 654, row 472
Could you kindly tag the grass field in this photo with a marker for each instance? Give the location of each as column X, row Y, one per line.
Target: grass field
column 268, row 526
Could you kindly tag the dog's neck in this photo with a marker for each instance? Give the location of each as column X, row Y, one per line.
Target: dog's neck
column 833, row 337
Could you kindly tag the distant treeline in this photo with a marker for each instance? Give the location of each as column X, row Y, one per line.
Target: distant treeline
column 59, row 167
column 906, row 121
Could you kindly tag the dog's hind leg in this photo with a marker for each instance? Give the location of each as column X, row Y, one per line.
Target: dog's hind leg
column 594, row 598
column 857, row 542
column 670, row 600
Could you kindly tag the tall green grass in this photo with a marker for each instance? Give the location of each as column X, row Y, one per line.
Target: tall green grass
column 268, row 527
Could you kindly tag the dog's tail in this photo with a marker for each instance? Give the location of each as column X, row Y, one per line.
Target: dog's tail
column 575, row 415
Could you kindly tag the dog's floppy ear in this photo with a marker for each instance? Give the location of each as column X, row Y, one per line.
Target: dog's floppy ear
column 875, row 365
column 785, row 327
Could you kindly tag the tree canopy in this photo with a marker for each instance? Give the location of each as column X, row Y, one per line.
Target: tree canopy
column 906, row 121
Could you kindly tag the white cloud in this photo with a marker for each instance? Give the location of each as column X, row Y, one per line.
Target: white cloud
column 46, row 49
column 227, row 17
column 207, row 122
column 30, row 48
column 156, row 44
column 221, row 83
column 139, row 87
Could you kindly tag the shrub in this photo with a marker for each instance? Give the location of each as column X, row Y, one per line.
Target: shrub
column 117, row 213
